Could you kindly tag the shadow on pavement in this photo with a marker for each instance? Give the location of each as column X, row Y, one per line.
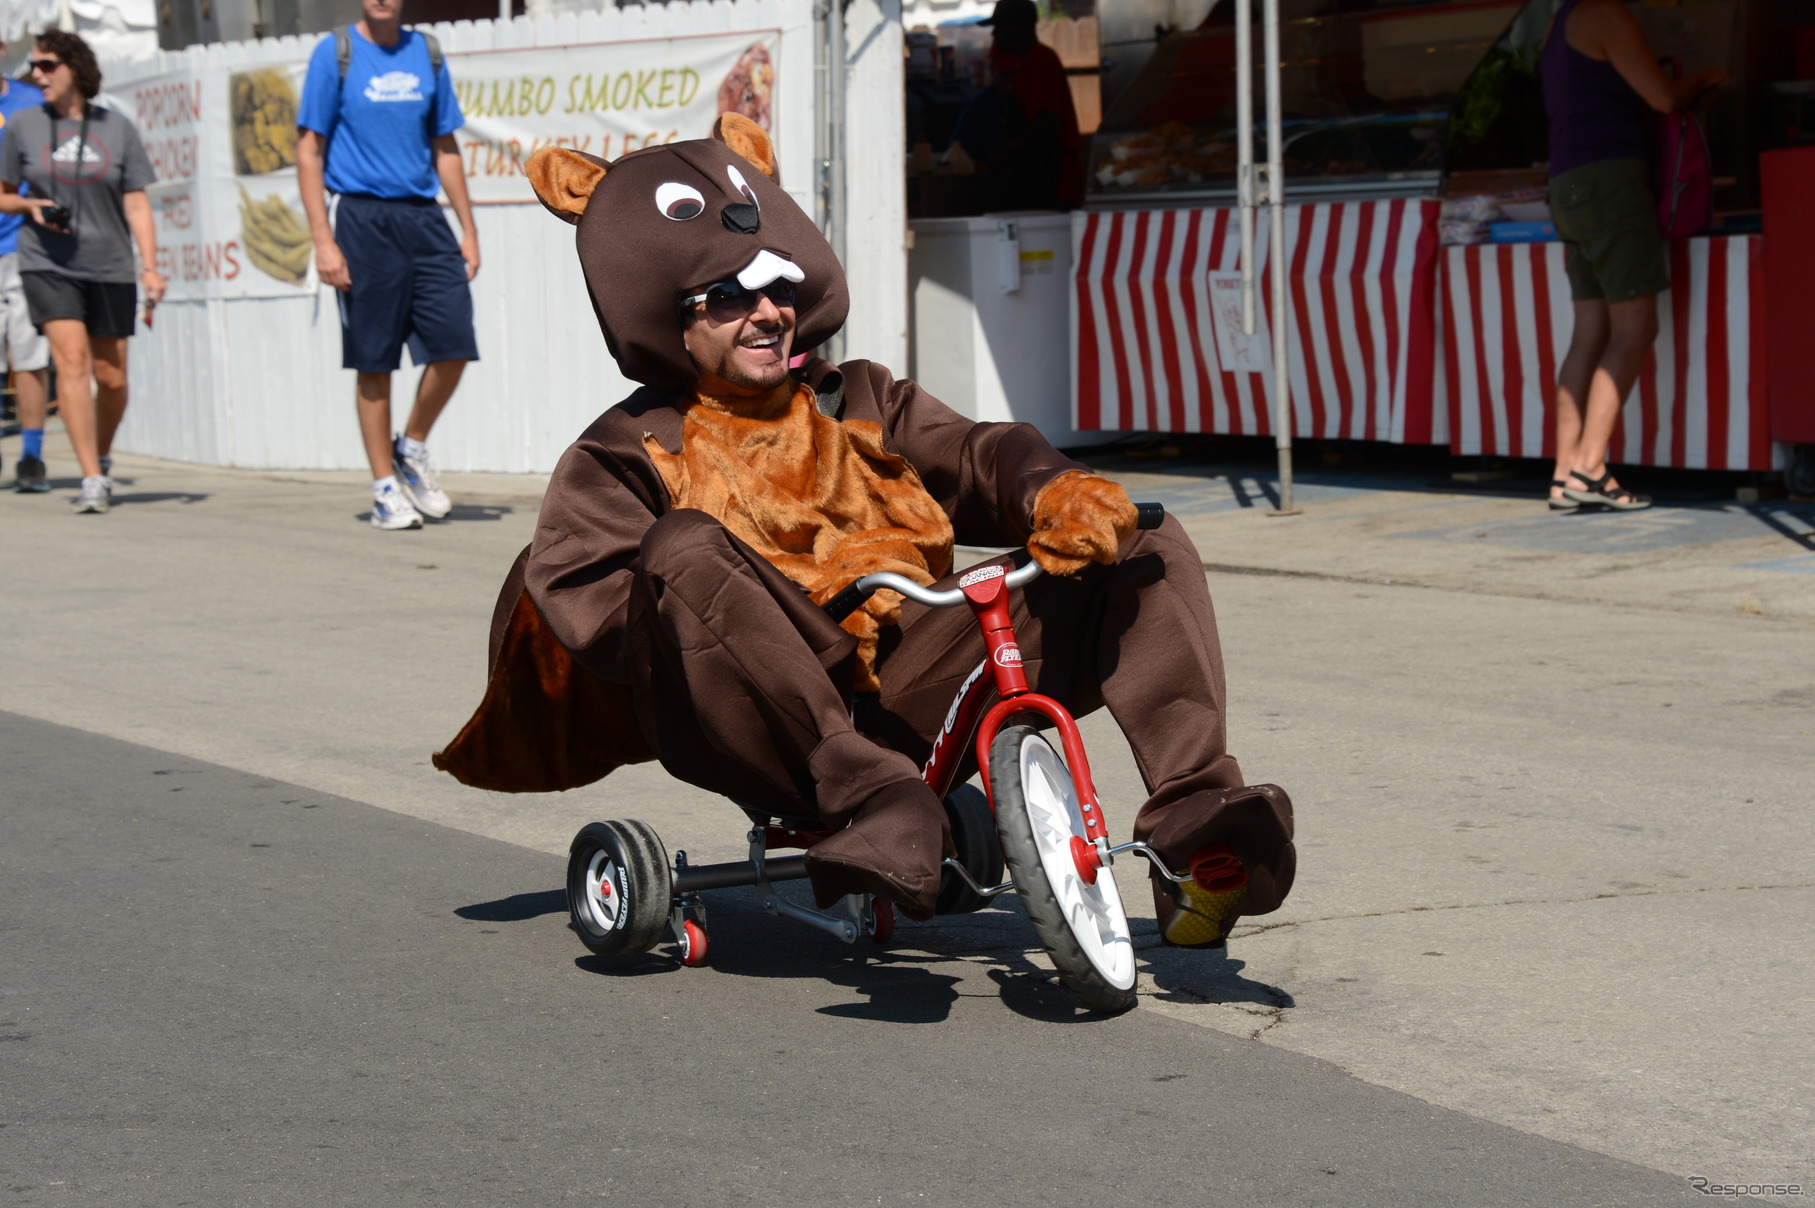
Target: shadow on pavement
column 1037, row 994
column 640, row 965
column 897, row 990
column 1805, row 538
column 898, row 983
column 1208, row 975
column 478, row 511
column 461, row 512
column 517, row 907
column 747, row 942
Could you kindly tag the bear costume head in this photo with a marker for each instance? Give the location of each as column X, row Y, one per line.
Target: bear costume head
column 660, row 222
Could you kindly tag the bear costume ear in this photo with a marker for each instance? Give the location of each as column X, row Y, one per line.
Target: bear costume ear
column 564, row 180
column 749, row 140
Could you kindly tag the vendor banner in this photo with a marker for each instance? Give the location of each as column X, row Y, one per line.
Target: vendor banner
column 223, row 144
column 222, row 139
column 604, row 99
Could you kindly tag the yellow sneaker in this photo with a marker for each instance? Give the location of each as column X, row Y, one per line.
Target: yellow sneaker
column 1206, row 906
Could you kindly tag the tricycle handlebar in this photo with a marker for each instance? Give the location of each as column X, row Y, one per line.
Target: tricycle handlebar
column 848, row 601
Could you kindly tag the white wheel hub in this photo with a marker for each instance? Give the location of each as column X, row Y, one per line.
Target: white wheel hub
column 1094, row 912
column 604, row 892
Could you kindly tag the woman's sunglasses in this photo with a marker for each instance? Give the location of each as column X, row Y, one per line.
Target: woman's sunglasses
column 731, row 300
column 45, row 66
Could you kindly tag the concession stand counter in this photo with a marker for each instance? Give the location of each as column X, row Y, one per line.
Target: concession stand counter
column 1426, row 296
column 1428, row 302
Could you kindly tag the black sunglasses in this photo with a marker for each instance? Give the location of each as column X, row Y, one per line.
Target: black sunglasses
column 731, row 298
column 46, row 65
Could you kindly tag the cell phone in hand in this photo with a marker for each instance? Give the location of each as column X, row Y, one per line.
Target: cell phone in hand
column 54, row 216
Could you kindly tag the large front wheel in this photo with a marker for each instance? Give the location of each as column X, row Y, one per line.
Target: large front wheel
column 1082, row 925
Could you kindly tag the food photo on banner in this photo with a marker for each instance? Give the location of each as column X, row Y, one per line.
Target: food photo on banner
column 273, row 230
column 223, row 144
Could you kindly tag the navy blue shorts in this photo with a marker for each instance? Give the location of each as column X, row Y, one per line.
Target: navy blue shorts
column 409, row 285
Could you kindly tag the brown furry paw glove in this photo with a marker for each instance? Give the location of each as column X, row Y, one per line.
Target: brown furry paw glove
column 1079, row 518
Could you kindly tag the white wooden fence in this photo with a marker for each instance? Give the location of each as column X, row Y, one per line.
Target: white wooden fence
column 258, row 383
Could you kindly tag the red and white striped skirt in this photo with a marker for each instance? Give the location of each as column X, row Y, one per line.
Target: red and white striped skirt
column 1701, row 397
column 1361, row 277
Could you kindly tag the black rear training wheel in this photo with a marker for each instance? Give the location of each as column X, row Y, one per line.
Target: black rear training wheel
column 619, row 887
column 979, row 850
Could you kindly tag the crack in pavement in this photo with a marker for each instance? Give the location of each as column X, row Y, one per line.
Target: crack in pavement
column 1243, row 931
column 1273, row 1015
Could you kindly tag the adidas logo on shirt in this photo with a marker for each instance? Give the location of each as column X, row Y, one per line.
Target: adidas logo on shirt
column 394, row 86
column 71, row 148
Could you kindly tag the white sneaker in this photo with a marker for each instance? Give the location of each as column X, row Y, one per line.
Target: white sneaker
column 391, row 510
column 419, row 480
column 93, row 497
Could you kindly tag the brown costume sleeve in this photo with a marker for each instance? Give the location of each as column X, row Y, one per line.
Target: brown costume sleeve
column 985, row 476
column 545, row 724
column 557, row 710
column 601, row 500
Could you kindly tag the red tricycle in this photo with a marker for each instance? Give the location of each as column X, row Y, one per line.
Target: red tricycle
column 1037, row 808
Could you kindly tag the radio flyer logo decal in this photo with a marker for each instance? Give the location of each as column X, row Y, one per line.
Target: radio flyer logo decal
column 1009, row 656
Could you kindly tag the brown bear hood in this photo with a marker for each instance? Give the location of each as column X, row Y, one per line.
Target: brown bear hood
column 666, row 220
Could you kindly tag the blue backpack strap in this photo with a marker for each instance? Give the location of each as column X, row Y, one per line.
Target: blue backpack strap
column 435, row 59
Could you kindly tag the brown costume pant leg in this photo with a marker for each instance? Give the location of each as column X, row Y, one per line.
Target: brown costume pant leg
column 738, row 674
column 1139, row 637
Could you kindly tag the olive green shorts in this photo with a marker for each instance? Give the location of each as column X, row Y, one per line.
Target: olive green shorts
column 1607, row 218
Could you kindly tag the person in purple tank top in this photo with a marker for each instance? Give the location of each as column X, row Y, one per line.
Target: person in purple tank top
column 1600, row 83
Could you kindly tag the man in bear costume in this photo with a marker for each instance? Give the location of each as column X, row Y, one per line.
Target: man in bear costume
column 669, row 606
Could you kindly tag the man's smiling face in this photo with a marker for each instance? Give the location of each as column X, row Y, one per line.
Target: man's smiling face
column 741, row 349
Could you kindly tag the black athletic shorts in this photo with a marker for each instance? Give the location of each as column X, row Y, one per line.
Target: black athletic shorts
column 409, row 285
column 106, row 308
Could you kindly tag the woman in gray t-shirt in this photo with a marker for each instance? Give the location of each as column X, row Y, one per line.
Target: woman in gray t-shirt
column 87, row 172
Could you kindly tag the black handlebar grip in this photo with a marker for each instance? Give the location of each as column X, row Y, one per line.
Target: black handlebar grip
column 1149, row 515
column 847, row 601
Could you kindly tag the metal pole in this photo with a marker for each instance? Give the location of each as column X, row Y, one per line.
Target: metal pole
column 835, row 148
column 822, row 135
column 1276, row 257
column 1244, row 154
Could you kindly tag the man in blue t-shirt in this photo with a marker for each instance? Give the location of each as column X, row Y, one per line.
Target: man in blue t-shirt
column 26, row 348
column 379, row 136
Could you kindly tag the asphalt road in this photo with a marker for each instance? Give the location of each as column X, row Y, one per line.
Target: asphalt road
column 1552, row 779
column 225, row 989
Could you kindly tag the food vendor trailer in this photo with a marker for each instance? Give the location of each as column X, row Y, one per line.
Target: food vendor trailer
column 1424, row 305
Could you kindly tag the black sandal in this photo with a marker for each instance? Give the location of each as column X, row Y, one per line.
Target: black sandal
column 1560, row 505
column 1617, row 498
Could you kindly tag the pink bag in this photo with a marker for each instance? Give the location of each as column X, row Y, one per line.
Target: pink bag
column 1682, row 175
